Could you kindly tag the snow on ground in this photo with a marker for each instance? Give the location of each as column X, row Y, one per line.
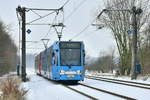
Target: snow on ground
column 140, row 79
column 42, row 89
column 134, row 92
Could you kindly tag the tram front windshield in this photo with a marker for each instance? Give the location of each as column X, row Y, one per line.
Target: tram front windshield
column 70, row 54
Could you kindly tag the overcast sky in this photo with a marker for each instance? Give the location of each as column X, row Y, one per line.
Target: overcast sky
column 96, row 41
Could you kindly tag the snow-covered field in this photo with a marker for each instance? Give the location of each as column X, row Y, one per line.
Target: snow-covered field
column 42, row 89
column 141, row 79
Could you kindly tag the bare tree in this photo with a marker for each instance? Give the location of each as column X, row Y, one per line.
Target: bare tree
column 104, row 63
column 112, row 56
column 119, row 22
column 145, row 50
column 8, row 51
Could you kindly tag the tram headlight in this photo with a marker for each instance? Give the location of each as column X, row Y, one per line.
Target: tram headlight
column 62, row 72
column 78, row 71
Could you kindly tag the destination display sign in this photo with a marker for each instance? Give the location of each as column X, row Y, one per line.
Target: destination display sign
column 70, row 45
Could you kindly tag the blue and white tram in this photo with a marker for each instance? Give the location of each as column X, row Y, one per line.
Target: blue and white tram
column 64, row 60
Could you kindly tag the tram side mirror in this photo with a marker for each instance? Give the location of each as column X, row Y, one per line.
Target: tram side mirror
column 84, row 57
column 53, row 54
column 84, row 53
column 57, row 50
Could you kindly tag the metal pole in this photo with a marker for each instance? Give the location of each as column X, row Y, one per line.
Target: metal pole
column 135, row 12
column 19, row 67
column 22, row 12
column 23, row 44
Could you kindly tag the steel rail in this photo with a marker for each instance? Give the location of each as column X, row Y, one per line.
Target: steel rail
column 122, row 81
column 82, row 93
column 111, row 81
column 105, row 91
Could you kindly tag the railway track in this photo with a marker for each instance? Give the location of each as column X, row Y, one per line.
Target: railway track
column 99, row 90
column 82, row 93
column 108, row 92
column 94, row 88
column 123, row 82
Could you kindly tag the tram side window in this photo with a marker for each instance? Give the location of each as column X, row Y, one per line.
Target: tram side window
column 54, row 57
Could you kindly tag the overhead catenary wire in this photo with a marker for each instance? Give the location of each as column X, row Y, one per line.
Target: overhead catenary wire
column 50, row 28
column 76, row 8
column 53, row 24
column 28, row 23
column 83, row 30
column 61, row 8
column 87, row 26
column 36, row 13
column 40, row 17
column 110, row 8
column 65, row 3
column 57, row 11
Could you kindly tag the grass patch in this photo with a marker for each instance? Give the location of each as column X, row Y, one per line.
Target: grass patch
column 10, row 89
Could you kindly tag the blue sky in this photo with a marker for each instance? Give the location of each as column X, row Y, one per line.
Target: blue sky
column 96, row 41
